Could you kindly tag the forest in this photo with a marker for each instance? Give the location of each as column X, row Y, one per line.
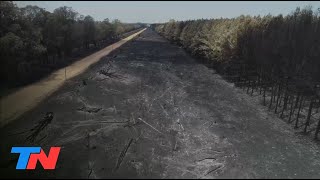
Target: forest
column 275, row 57
column 33, row 41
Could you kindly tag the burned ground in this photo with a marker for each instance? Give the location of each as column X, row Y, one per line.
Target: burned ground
column 149, row 110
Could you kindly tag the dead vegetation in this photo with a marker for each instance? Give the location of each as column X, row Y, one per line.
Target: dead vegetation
column 108, row 73
column 172, row 128
column 89, row 109
column 123, row 154
column 40, row 126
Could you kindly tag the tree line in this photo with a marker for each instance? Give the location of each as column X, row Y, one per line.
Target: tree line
column 277, row 57
column 33, row 41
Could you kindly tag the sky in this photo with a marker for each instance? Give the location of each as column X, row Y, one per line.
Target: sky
column 163, row 11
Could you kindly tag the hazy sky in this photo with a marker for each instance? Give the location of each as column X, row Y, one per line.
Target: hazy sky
column 157, row 11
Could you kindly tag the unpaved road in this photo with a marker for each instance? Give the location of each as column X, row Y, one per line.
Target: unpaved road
column 19, row 102
column 159, row 114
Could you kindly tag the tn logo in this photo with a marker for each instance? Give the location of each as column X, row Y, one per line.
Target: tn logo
column 29, row 156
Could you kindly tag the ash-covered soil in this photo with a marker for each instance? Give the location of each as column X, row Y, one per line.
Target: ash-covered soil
column 149, row 110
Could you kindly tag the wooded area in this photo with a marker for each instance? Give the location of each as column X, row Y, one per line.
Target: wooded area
column 277, row 57
column 33, row 41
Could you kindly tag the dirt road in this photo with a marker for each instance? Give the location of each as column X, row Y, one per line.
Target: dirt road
column 152, row 111
column 26, row 98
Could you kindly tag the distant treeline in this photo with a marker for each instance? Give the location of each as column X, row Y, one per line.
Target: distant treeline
column 32, row 39
column 275, row 56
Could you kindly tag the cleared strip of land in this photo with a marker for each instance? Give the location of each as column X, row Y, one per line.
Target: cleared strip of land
column 19, row 102
column 158, row 113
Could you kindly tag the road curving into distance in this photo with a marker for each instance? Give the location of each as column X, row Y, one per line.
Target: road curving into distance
column 26, row 98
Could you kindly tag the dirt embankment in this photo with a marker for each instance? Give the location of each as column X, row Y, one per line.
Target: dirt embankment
column 19, row 102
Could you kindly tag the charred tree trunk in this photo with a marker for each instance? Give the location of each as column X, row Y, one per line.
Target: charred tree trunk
column 291, row 109
column 317, row 130
column 253, row 86
column 308, row 117
column 298, row 114
column 271, row 98
column 285, row 102
column 260, row 83
column 264, row 95
column 278, row 97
